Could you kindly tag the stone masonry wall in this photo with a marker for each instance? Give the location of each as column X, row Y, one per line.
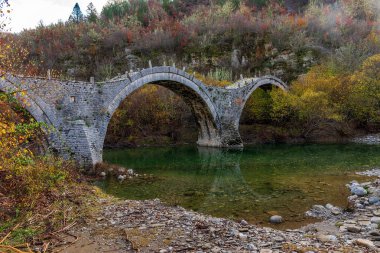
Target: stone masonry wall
column 79, row 112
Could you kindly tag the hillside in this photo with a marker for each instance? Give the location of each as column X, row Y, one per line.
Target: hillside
column 219, row 41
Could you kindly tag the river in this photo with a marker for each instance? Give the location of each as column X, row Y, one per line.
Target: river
column 251, row 184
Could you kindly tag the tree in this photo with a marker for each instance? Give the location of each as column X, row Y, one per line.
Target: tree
column 4, row 10
column 92, row 14
column 77, row 15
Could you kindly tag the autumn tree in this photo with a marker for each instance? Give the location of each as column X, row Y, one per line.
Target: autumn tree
column 363, row 104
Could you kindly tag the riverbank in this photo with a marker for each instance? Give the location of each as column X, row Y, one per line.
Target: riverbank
column 151, row 226
column 254, row 134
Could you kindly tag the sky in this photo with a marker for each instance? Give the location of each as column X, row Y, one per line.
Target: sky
column 28, row 13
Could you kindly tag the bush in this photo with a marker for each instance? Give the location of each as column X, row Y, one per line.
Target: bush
column 25, row 177
column 363, row 103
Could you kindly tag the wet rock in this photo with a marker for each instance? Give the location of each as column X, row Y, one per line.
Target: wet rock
column 130, row 172
column 276, row 219
column 333, row 209
column 121, row 177
column 318, row 211
column 103, row 174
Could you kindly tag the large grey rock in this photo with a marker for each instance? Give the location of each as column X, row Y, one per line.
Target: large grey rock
column 359, row 191
column 276, row 219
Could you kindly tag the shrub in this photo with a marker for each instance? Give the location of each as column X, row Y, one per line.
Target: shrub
column 363, row 102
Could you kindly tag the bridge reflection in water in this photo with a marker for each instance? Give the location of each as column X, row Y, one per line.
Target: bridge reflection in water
column 252, row 184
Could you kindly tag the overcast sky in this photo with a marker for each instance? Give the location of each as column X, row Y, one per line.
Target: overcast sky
column 28, row 13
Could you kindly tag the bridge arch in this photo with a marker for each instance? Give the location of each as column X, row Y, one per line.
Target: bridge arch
column 261, row 82
column 34, row 105
column 192, row 91
column 252, row 86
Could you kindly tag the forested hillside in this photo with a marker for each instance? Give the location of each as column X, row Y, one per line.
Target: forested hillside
column 221, row 41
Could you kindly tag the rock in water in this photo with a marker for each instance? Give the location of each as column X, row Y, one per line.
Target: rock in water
column 276, row 219
column 121, row 177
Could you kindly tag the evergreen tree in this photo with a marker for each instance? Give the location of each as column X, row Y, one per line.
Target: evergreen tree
column 77, row 15
column 92, row 14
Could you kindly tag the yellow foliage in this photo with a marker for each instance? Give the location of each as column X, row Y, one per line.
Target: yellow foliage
column 364, row 100
column 24, row 175
column 210, row 81
column 322, row 95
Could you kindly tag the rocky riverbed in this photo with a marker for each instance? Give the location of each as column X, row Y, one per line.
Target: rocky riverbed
column 152, row 226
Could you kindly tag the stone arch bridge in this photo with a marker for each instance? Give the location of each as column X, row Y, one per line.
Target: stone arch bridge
column 78, row 113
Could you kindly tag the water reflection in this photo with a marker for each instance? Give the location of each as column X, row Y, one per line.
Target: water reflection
column 250, row 184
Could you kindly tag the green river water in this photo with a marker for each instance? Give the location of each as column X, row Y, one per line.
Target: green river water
column 250, row 184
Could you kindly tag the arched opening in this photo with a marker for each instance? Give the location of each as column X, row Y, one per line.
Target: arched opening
column 28, row 100
column 257, row 124
column 181, row 91
column 150, row 116
column 17, row 113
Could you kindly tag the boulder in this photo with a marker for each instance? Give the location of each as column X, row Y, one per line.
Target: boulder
column 276, row 219
column 359, row 191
